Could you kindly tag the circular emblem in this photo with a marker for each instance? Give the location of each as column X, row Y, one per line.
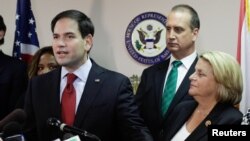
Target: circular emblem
column 145, row 38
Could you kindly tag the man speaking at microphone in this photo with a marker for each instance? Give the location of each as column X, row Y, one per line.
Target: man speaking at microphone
column 81, row 93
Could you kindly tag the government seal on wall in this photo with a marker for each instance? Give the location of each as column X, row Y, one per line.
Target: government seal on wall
column 145, row 38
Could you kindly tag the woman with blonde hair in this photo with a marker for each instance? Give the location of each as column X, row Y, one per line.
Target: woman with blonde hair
column 216, row 86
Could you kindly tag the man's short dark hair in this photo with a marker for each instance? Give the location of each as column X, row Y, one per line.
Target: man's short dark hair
column 85, row 25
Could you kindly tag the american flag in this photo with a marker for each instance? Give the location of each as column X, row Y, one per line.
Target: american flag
column 26, row 41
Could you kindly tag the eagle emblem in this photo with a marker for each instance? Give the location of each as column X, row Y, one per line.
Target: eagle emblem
column 145, row 38
column 148, row 42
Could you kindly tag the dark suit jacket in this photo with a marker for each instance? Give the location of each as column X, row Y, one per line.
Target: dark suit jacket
column 106, row 109
column 221, row 114
column 13, row 83
column 149, row 94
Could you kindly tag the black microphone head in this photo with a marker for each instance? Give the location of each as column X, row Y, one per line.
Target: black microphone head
column 67, row 136
column 53, row 122
column 17, row 115
column 11, row 129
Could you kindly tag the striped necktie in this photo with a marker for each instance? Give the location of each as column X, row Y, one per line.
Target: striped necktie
column 170, row 87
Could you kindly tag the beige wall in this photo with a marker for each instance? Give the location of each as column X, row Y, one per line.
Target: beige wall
column 219, row 25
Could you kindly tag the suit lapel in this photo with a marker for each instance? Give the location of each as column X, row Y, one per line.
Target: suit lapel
column 202, row 129
column 159, row 82
column 54, row 93
column 175, row 122
column 90, row 92
column 181, row 120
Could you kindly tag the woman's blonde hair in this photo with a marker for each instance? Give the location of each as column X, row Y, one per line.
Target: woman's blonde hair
column 227, row 73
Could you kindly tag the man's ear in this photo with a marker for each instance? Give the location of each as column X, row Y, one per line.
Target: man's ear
column 195, row 33
column 88, row 42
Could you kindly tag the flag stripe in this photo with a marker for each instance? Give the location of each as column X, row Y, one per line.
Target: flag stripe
column 28, row 49
column 241, row 19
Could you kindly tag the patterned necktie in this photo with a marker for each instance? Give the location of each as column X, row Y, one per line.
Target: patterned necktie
column 69, row 100
column 170, row 87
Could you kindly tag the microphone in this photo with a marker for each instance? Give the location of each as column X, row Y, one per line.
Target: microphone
column 70, row 137
column 67, row 136
column 12, row 132
column 17, row 115
column 69, row 129
column 15, row 138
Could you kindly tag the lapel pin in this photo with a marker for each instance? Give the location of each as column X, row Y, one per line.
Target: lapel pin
column 208, row 122
column 97, row 80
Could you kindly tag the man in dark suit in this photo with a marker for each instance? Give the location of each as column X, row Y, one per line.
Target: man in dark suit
column 104, row 103
column 13, row 79
column 182, row 31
